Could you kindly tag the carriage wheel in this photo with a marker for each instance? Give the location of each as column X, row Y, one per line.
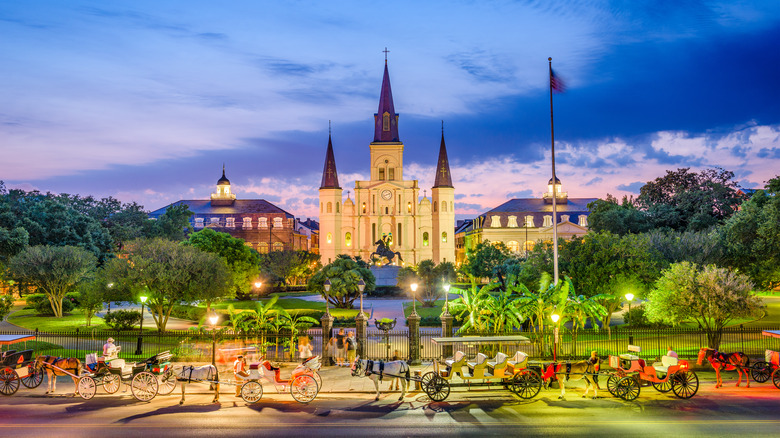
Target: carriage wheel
column 437, row 388
column 776, row 378
column 526, row 384
column 317, row 378
column 612, row 384
column 664, row 386
column 627, row 388
column 427, row 378
column 9, row 381
column 685, row 384
column 304, row 388
column 34, row 379
column 760, row 371
column 87, row 387
column 251, row 391
column 144, row 386
column 111, row 383
column 167, row 382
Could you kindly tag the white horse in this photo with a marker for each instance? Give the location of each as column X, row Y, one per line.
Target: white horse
column 205, row 374
column 376, row 371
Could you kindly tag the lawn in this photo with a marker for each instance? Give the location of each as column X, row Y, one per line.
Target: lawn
column 27, row 318
column 434, row 311
column 291, row 305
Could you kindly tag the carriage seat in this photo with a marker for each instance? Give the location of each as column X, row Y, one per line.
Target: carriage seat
column 772, row 357
column 7, row 353
column 666, row 362
column 459, row 356
column 626, row 356
column 17, row 358
column 477, row 368
column 498, row 364
column 126, row 369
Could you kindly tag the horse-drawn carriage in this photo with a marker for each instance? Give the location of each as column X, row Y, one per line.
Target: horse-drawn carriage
column 512, row 372
column 632, row 373
column 769, row 368
column 303, row 381
column 15, row 366
column 146, row 379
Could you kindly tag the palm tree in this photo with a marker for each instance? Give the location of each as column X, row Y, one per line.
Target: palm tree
column 578, row 309
column 469, row 307
column 549, row 299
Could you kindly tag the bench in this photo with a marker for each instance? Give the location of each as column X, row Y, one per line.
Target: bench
column 477, row 368
column 455, row 364
column 772, row 357
column 498, row 365
column 666, row 362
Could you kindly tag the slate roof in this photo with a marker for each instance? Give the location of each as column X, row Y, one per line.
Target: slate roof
column 239, row 206
column 537, row 208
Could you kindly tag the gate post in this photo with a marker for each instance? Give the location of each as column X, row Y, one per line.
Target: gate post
column 360, row 332
column 446, row 332
column 414, row 338
column 327, row 326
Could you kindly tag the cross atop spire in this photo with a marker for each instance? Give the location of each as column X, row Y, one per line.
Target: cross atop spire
column 443, row 176
column 330, row 178
column 386, row 52
column 386, row 119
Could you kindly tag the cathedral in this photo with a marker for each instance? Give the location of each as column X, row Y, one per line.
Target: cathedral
column 387, row 209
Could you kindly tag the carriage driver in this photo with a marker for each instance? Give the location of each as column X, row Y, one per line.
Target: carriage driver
column 239, row 370
column 109, row 350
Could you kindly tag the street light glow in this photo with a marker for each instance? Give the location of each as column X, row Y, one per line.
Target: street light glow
column 213, row 319
column 446, row 287
column 629, row 296
column 258, row 284
column 555, row 317
column 326, row 285
column 144, row 298
column 414, row 287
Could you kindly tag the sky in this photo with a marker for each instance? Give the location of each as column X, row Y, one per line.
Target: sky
column 145, row 100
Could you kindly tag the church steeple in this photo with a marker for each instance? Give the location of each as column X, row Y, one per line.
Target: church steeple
column 386, row 119
column 330, row 178
column 443, row 177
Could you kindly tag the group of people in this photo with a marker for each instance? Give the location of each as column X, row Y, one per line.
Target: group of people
column 343, row 348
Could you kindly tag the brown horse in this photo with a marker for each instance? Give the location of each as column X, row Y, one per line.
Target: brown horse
column 727, row 361
column 63, row 367
column 571, row 371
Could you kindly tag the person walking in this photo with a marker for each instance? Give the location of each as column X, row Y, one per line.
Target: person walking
column 304, row 348
column 351, row 348
column 239, row 371
column 340, row 348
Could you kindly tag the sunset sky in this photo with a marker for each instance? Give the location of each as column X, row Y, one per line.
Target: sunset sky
column 145, row 100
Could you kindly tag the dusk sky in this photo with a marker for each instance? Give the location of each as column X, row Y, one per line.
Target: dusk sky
column 145, row 100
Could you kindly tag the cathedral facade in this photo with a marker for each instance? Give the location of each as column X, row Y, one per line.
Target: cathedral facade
column 387, row 208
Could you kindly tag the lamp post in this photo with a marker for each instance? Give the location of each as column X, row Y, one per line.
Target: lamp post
column 555, row 317
column 413, row 286
column 361, row 287
column 446, row 287
column 629, row 297
column 326, row 285
column 213, row 320
column 138, row 350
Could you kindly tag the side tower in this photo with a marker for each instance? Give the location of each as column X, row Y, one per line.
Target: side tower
column 442, row 211
column 331, row 242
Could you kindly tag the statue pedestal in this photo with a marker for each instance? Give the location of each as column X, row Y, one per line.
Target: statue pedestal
column 385, row 275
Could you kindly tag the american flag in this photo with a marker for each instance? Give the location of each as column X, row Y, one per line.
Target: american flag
column 556, row 83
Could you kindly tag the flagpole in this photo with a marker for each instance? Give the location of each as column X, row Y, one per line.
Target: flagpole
column 554, row 180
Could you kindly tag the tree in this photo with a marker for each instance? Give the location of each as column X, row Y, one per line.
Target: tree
column 289, row 266
column 430, row 277
column 699, row 247
column 169, row 273
column 481, row 262
column 92, row 297
column 684, row 200
column 621, row 219
column 344, row 274
column 53, row 270
column 752, row 236
column 711, row 297
column 6, row 303
column 242, row 260
column 173, row 225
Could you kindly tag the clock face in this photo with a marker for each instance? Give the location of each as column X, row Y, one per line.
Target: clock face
column 386, row 195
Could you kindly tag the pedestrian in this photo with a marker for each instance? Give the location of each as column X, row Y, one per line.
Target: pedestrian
column 671, row 352
column 331, row 352
column 239, row 371
column 395, row 384
column 351, row 348
column 340, row 348
column 304, row 347
column 110, row 350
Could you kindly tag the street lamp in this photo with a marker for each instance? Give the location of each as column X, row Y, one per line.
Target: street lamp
column 138, row 350
column 326, row 285
column 555, row 317
column 629, row 297
column 258, row 284
column 361, row 287
column 413, row 286
column 213, row 320
column 446, row 287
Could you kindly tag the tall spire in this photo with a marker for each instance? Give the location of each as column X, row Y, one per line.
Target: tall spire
column 386, row 119
column 443, row 176
column 330, row 178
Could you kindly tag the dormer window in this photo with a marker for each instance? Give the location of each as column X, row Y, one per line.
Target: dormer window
column 583, row 220
column 386, row 122
column 495, row 221
column 547, row 221
column 231, row 222
column 247, row 223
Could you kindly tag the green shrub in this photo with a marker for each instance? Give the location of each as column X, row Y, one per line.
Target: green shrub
column 74, row 298
column 386, row 291
column 122, row 319
column 637, row 318
column 6, row 302
column 192, row 313
column 40, row 303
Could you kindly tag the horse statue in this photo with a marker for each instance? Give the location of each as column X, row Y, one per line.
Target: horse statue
column 728, row 361
column 59, row 366
column 377, row 370
column 383, row 250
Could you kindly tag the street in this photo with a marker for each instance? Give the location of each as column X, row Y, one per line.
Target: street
column 728, row 411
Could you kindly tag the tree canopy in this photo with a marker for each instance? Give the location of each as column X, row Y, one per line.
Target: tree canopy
column 430, row 277
column 344, row 274
column 289, row 266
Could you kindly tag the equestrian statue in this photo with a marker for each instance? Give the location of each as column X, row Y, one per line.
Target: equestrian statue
column 383, row 250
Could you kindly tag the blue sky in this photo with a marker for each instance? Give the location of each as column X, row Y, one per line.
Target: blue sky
column 145, row 100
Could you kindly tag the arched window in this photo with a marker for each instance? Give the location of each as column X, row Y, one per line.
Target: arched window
column 444, row 206
column 329, row 238
column 364, row 208
column 329, row 208
column 434, row 207
column 387, row 210
column 262, row 248
column 320, row 207
column 399, row 235
column 408, row 207
column 337, row 206
column 348, row 239
column 444, row 237
column 278, row 246
column 425, row 238
column 529, row 245
column 513, row 245
column 386, row 122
